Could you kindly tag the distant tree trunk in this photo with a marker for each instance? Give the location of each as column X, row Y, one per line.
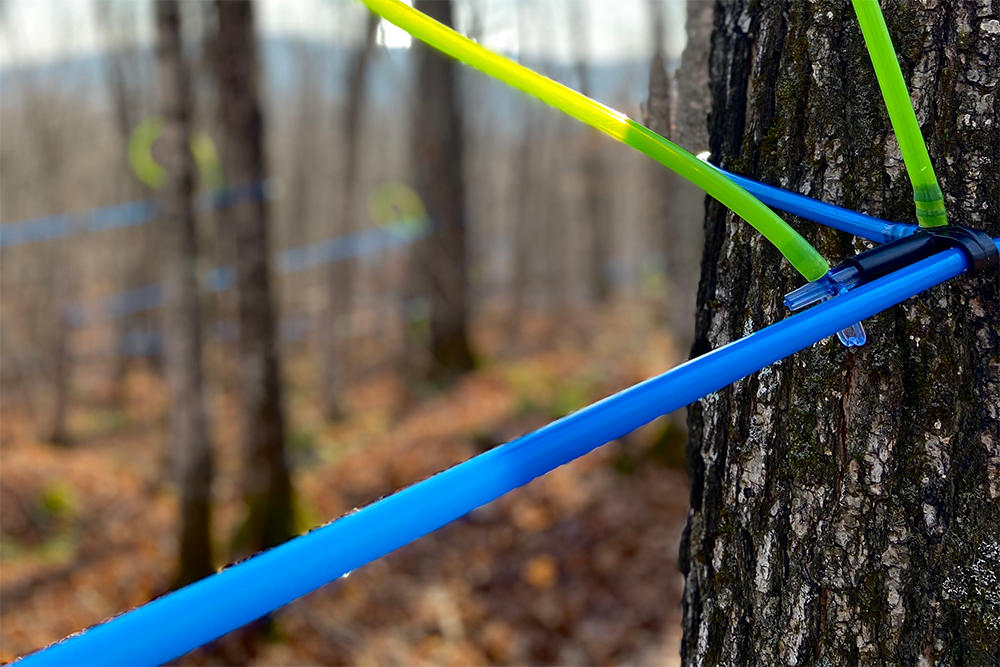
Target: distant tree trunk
column 57, row 288
column 305, row 153
column 137, row 261
column 60, row 362
column 693, row 99
column 844, row 504
column 690, row 130
column 658, row 116
column 190, row 451
column 438, row 153
column 336, row 368
column 666, row 237
column 526, row 198
column 596, row 183
column 267, row 486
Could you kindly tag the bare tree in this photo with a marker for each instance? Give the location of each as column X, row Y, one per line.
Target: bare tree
column 596, row 184
column 678, row 206
column 267, row 485
column 138, row 261
column 525, row 193
column 336, row 367
column 657, row 116
column 844, row 503
column 438, row 153
column 190, row 451
column 693, row 100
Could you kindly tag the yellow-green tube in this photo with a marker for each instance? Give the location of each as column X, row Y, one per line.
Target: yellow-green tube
column 796, row 249
column 140, row 152
column 926, row 192
column 140, row 156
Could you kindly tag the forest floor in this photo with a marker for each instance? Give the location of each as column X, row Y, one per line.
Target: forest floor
column 578, row 567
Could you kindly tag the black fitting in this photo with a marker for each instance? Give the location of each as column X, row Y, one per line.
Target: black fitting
column 977, row 245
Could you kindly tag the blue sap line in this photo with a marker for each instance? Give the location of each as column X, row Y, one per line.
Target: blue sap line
column 357, row 244
column 859, row 224
column 118, row 216
column 176, row 623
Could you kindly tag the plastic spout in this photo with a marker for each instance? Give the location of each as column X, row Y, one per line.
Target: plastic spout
column 836, row 281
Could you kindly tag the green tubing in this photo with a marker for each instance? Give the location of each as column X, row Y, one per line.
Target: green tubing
column 140, row 152
column 148, row 170
column 926, row 192
column 615, row 124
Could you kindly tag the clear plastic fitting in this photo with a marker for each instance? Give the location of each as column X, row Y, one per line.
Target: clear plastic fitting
column 836, row 281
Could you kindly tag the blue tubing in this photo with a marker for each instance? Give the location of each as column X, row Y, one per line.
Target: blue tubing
column 176, row 623
column 118, row 215
column 859, row 224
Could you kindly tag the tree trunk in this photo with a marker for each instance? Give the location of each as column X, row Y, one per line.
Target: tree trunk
column 191, row 455
column 267, row 486
column 136, row 258
column 438, row 152
column 693, row 99
column 596, row 184
column 336, row 368
column 60, row 361
column 658, row 116
column 844, row 504
column 526, row 197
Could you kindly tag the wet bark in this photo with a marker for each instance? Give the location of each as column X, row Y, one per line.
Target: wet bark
column 844, row 504
column 442, row 259
column 190, row 452
column 267, row 488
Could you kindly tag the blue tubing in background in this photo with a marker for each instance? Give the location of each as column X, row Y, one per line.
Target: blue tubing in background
column 859, row 224
column 178, row 622
column 119, row 215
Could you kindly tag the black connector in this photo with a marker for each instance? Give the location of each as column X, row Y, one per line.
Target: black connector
column 977, row 245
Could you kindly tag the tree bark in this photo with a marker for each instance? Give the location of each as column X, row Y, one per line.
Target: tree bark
column 267, row 488
column 844, row 504
column 438, row 153
column 190, row 451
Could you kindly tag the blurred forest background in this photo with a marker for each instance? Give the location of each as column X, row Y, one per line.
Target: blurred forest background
column 253, row 276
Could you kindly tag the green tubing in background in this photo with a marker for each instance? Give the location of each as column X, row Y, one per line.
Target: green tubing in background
column 140, row 153
column 926, row 192
column 148, row 170
column 796, row 249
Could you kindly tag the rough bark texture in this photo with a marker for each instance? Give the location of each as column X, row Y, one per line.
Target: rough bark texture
column 267, row 487
column 190, row 451
column 844, row 505
column 438, row 151
column 336, row 363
